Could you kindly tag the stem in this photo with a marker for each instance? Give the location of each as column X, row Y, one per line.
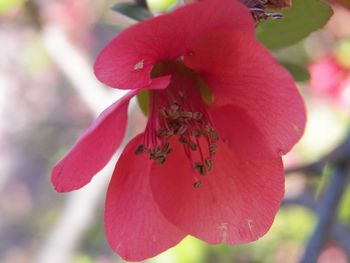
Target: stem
column 326, row 214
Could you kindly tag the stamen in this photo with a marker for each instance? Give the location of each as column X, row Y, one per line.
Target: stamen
column 182, row 129
column 208, row 164
column 140, row 149
column 197, row 116
column 200, row 168
column 193, row 146
column 196, row 133
column 213, row 148
column 197, row 184
column 180, row 112
column 189, row 127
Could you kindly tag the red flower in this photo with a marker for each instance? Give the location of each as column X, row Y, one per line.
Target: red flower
column 206, row 165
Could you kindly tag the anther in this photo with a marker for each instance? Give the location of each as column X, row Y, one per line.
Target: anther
column 140, row 149
column 197, row 116
column 183, row 140
column 186, row 114
column 214, row 136
column 193, row 146
column 213, row 148
column 197, row 184
column 182, row 129
column 173, row 115
column 160, row 154
column 196, row 133
column 208, row 164
column 174, row 106
column 166, row 148
column 211, row 133
column 200, row 168
column 160, row 159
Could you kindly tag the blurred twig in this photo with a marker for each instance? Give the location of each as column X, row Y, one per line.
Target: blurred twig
column 77, row 69
column 326, row 227
column 314, row 168
column 341, row 234
column 80, row 206
column 339, row 155
column 338, row 232
column 34, row 15
column 79, row 211
column 76, row 218
column 326, row 213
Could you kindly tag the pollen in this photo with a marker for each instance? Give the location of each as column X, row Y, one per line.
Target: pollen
column 189, row 128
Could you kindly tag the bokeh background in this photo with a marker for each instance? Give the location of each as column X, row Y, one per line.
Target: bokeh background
column 49, row 95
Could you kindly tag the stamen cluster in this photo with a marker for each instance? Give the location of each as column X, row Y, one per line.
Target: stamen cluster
column 192, row 128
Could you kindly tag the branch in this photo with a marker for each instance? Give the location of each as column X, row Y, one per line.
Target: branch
column 314, row 168
column 339, row 232
column 339, row 155
column 76, row 218
column 326, row 214
column 80, row 207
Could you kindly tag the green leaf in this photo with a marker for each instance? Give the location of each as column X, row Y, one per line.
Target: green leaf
column 143, row 101
column 304, row 17
column 298, row 72
column 162, row 5
column 133, row 11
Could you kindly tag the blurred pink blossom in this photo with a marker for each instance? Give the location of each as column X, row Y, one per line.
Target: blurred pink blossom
column 331, row 80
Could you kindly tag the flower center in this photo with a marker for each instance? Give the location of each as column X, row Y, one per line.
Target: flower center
column 180, row 112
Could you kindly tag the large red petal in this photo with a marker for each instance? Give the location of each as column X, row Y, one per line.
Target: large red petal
column 260, row 92
column 135, row 227
column 241, row 133
column 97, row 145
column 93, row 149
column 236, row 202
column 126, row 62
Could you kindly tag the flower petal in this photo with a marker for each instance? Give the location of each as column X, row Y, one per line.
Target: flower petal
column 243, row 74
column 134, row 225
column 126, row 62
column 236, row 202
column 93, row 149
column 97, row 145
column 241, row 133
